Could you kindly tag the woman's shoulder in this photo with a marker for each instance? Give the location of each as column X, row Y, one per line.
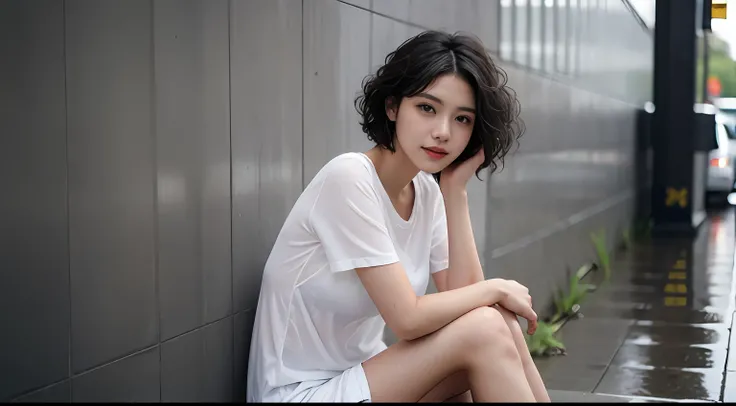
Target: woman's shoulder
column 349, row 173
column 346, row 167
column 354, row 162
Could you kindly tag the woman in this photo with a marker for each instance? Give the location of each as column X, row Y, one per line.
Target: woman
column 357, row 250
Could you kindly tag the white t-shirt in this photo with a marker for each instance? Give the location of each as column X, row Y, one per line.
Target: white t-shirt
column 314, row 318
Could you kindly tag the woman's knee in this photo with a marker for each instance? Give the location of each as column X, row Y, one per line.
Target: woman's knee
column 484, row 328
column 512, row 321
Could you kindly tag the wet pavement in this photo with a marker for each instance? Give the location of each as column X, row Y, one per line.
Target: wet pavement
column 660, row 328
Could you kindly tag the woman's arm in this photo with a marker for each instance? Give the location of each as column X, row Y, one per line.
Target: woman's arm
column 464, row 267
column 410, row 316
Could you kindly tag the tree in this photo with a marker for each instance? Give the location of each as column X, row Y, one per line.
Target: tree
column 722, row 66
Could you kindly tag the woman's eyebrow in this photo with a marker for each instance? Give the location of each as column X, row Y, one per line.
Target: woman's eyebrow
column 436, row 99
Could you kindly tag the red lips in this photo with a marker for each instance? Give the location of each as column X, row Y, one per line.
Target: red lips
column 435, row 152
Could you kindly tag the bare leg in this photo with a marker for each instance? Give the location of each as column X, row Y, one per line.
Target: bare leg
column 448, row 389
column 465, row 397
column 455, row 388
column 530, row 369
column 408, row 370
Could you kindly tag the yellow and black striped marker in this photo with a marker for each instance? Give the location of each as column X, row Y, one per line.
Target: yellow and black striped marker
column 677, row 283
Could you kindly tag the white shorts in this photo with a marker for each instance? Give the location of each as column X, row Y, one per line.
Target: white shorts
column 349, row 387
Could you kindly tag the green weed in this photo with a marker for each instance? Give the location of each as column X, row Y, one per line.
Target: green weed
column 626, row 238
column 599, row 241
column 568, row 303
column 543, row 341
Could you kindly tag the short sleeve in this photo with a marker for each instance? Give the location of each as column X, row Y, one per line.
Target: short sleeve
column 439, row 254
column 347, row 217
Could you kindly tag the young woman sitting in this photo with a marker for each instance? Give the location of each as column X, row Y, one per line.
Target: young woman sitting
column 357, row 250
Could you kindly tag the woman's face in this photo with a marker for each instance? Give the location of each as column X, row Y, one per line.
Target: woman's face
column 434, row 127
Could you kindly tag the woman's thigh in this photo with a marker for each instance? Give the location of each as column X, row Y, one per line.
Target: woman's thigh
column 455, row 388
column 409, row 370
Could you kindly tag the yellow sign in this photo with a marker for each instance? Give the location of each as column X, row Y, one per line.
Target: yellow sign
column 675, row 196
column 677, row 275
column 675, row 288
column 680, row 264
column 675, row 301
column 718, row 10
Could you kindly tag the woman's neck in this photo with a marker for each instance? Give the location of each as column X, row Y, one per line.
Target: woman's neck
column 394, row 169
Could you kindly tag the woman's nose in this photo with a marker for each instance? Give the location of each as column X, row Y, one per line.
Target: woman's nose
column 442, row 131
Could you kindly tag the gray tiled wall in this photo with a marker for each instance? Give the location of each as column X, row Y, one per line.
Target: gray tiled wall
column 34, row 254
column 192, row 127
column 111, row 169
column 151, row 150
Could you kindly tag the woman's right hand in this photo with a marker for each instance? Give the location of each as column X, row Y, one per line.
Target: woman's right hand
column 516, row 299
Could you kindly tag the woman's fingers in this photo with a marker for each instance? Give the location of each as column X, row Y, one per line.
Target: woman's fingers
column 520, row 302
column 528, row 314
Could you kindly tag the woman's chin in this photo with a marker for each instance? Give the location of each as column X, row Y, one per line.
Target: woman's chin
column 429, row 164
column 432, row 167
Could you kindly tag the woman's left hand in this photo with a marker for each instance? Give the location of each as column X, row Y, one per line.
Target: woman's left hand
column 455, row 177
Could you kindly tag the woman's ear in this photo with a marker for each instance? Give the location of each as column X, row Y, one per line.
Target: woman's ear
column 391, row 108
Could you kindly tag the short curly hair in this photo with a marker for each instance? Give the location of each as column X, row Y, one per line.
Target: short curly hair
column 416, row 63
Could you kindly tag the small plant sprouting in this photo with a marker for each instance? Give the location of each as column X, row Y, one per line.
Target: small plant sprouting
column 543, row 342
column 567, row 304
column 626, row 238
column 599, row 241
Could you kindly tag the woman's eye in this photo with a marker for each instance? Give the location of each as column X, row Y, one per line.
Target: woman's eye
column 426, row 108
column 464, row 119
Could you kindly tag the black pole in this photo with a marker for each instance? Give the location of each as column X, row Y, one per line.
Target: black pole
column 673, row 141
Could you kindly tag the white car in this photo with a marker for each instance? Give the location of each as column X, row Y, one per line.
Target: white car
column 727, row 110
column 726, row 105
column 721, row 168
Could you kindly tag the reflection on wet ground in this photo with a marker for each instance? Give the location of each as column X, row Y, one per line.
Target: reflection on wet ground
column 661, row 326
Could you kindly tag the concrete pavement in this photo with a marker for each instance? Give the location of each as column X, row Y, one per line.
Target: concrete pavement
column 660, row 329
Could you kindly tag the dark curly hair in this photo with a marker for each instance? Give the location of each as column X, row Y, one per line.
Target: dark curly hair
column 416, row 63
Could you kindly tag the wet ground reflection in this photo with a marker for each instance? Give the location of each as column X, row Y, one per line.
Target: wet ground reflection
column 667, row 309
column 667, row 383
